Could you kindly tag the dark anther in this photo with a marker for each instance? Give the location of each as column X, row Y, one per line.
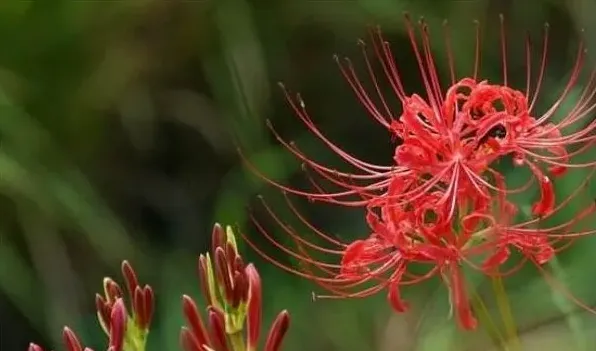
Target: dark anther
column 498, row 131
column 397, row 140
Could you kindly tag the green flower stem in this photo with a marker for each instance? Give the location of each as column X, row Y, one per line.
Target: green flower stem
column 134, row 345
column 237, row 341
column 134, row 338
column 506, row 315
column 487, row 321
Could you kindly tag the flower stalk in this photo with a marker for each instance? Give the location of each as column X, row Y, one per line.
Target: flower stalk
column 504, row 306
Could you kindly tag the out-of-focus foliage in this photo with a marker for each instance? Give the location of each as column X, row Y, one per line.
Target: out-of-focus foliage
column 119, row 122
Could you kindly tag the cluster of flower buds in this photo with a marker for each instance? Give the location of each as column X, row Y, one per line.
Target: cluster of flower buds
column 233, row 293
column 125, row 332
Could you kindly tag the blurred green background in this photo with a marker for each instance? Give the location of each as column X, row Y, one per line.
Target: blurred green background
column 119, row 122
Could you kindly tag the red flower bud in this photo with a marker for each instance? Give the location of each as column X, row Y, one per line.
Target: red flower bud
column 278, row 331
column 70, row 340
column 218, row 328
column 253, row 322
column 103, row 312
column 197, row 328
column 34, row 347
column 130, row 278
column 118, row 320
column 188, row 341
column 143, row 301
column 222, row 272
column 112, row 290
column 218, row 237
column 204, row 279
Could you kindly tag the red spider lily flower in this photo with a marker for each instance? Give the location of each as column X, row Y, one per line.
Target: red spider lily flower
column 451, row 139
column 442, row 203
column 234, row 302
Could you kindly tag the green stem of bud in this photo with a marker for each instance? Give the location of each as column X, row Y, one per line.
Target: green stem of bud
column 134, row 339
column 134, row 345
column 506, row 314
column 237, row 341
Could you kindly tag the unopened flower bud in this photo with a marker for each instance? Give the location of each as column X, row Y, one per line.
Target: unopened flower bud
column 118, row 321
column 70, row 340
column 34, row 347
column 278, row 331
column 193, row 317
column 218, row 328
column 112, row 290
column 253, row 322
column 218, row 237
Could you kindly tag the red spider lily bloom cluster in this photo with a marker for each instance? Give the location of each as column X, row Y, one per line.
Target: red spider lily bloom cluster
column 233, row 293
column 231, row 289
column 442, row 203
column 125, row 332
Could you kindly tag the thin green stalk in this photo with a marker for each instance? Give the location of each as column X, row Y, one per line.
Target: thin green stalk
column 487, row 321
column 237, row 341
column 506, row 315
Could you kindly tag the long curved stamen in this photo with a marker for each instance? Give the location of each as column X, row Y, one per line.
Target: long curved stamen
column 542, row 67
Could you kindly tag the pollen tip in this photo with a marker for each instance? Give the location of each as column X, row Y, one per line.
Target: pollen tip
column 476, row 22
column 260, row 197
column 445, row 22
column 361, row 42
column 313, row 296
column 281, row 85
column 501, row 17
column 336, row 58
column 546, row 25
